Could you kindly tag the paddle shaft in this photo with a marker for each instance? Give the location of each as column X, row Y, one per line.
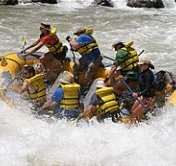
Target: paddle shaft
column 74, row 57
column 127, row 86
column 114, row 59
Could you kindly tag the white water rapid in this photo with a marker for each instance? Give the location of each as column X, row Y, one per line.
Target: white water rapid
column 27, row 141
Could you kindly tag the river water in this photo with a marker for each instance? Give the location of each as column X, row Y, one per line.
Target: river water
column 27, row 141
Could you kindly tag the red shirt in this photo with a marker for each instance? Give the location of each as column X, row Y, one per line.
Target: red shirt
column 47, row 39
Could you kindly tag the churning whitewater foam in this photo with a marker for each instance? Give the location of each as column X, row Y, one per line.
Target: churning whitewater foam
column 26, row 140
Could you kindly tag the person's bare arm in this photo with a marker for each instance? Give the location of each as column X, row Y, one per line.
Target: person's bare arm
column 40, row 44
column 47, row 104
column 112, row 71
column 21, row 89
column 74, row 44
column 32, row 45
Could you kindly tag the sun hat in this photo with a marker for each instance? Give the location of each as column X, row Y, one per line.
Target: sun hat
column 79, row 30
column 146, row 61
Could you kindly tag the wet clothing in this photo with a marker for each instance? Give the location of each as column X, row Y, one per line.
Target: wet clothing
column 146, row 83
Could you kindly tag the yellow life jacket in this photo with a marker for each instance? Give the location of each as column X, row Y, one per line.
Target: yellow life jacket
column 39, row 85
column 57, row 46
column 89, row 31
column 130, row 63
column 71, row 96
column 87, row 48
column 110, row 104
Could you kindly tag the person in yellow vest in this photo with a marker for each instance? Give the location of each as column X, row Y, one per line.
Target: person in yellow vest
column 102, row 103
column 33, row 84
column 56, row 55
column 49, row 38
column 86, row 45
column 67, row 97
column 126, row 59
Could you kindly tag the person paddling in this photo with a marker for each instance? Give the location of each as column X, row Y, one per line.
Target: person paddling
column 86, row 45
column 67, row 97
column 146, row 98
column 126, row 59
column 55, row 57
column 103, row 102
column 48, row 38
column 33, row 84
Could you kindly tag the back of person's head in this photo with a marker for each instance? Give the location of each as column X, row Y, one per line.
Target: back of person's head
column 29, row 69
column 118, row 44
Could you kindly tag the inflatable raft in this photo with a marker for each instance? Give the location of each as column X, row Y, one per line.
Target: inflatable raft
column 11, row 65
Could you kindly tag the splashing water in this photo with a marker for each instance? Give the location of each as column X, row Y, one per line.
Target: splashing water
column 27, row 141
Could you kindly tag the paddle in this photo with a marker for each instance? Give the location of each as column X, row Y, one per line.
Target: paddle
column 24, row 44
column 68, row 38
column 128, row 88
column 109, row 58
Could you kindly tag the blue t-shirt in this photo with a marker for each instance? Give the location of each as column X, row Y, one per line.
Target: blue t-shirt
column 84, row 39
column 58, row 95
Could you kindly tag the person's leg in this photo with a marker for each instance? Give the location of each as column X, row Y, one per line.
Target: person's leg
column 150, row 102
column 92, row 68
column 89, row 113
column 138, row 109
